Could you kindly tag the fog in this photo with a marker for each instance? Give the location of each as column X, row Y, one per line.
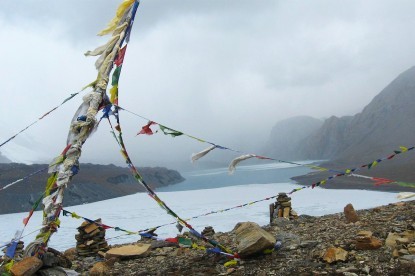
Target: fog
column 224, row 71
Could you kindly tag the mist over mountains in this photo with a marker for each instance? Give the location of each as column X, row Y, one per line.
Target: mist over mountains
column 4, row 159
column 383, row 125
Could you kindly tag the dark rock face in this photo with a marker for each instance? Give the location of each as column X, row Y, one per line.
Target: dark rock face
column 384, row 124
column 287, row 134
column 92, row 183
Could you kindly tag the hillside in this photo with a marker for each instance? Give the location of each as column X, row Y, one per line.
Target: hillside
column 381, row 242
column 287, row 134
column 92, row 183
column 4, row 159
column 382, row 126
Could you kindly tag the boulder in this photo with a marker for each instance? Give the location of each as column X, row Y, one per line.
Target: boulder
column 129, row 251
column 70, row 253
column 391, row 240
column 350, row 214
column 252, row 239
column 27, row 266
column 365, row 241
column 99, row 268
column 52, row 271
column 335, row 254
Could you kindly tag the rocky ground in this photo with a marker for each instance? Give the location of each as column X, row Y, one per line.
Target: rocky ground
column 381, row 242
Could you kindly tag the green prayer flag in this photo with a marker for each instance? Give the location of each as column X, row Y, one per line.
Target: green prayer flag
column 116, row 75
column 169, row 131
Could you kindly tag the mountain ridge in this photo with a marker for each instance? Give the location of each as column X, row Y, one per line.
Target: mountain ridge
column 380, row 128
column 92, row 183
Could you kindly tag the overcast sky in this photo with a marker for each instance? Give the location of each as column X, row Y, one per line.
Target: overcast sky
column 223, row 70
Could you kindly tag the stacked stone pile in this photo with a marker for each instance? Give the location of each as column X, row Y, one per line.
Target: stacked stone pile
column 282, row 208
column 208, row 231
column 91, row 239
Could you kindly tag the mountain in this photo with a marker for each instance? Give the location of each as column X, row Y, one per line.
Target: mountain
column 4, row 159
column 286, row 135
column 92, row 183
column 383, row 125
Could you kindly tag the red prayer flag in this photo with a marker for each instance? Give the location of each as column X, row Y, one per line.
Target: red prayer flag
column 146, row 129
column 173, row 240
column 263, row 157
column 106, row 226
column 26, row 220
column 120, row 57
column 380, row 181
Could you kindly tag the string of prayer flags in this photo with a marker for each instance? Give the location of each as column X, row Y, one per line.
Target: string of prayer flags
column 379, row 181
column 40, row 118
column 140, row 180
column 149, row 233
column 84, row 122
column 23, row 178
column 174, row 133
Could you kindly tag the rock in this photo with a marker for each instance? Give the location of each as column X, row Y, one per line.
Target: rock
column 252, row 239
column 308, row 244
column 52, row 271
column 409, row 258
column 129, row 251
column 365, row 241
column 50, row 260
column 391, row 240
column 70, row 253
column 27, row 266
column 350, row 214
column 99, row 268
column 395, row 239
column 160, row 244
column 286, row 212
column 335, row 254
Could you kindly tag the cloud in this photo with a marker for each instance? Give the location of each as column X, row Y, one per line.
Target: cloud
column 226, row 71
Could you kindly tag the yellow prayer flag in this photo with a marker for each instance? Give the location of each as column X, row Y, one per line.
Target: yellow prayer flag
column 74, row 215
column 114, row 94
column 231, row 263
column 122, row 8
column 403, row 149
column 374, row 163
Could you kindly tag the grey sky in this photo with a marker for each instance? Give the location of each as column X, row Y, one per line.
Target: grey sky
column 223, row 70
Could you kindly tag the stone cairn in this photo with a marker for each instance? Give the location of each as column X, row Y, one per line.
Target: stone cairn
column 282, row 208
column 91, row 239
column 208, row 231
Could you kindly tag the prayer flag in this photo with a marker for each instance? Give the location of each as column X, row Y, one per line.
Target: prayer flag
column 169, row 131
column 116, row 76
column 120, row 56
column 146, row 129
